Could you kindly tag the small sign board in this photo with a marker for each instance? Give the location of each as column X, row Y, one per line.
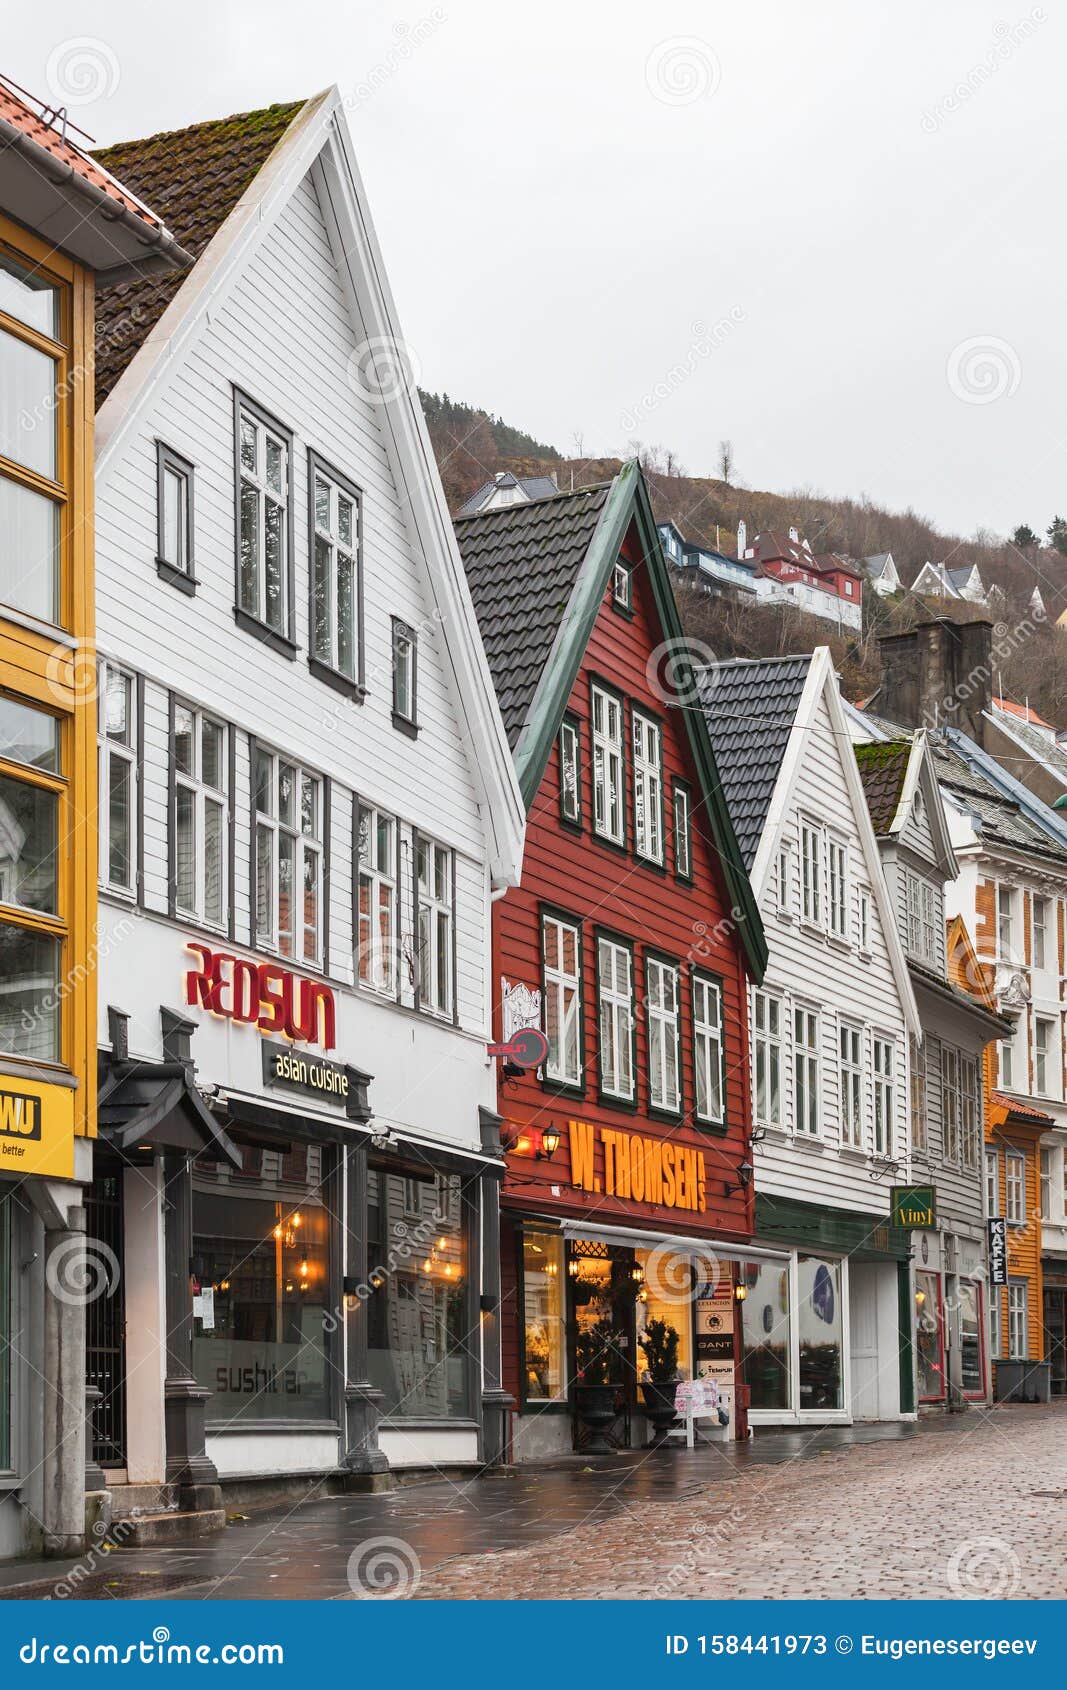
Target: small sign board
column 913, row 1206
column 998, row 1251
column 292, row 1070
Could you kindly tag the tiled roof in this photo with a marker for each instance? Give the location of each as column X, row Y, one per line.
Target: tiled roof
column 1023, row 1111
column 750, row 708
column 883, row 766
column 1002, row 818
column 531, row 486
column 195, row 176
column 19, row 114
column 1022, row 712
column 1038, row 745
column 522, row 562
column 768, row 546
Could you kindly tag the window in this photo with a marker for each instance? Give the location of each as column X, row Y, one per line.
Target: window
column 929, row 1337
column 609, row 816
column 837, row 887
column 1018, row 1323
column 1044, row 1051
column 419, row 1319
column 806, row 1069
column 336, row 582
column 923, row 933
column 34, row 404
column 782, row 892
column 405, row 677
column 1046, row 1185
column 288, row 806
column 865, row 921
column 683, row 833
column 950, row 1103
column 32, row 902
column 1042, row 919
column 118, row 780
column 1005, row 924
column 996, row 1343
column 663, row 1024
column 264, row 470
column 561, row 949
column 970, row 1111
column 917, row 1068
column 199, row 816
column 570, row 771
column 1014, row 1188
column 992, row 1183
column 174, row 517
column 544, row 1322
column 435, row 876
column 811, row 873
column 852, row 1086
column 709, row 1059
column 767, row 1058
column 1005, row 1050
column 615, row 992
column 622, row 586
column 376, row 936
column 648, row 788
column 884, row 1101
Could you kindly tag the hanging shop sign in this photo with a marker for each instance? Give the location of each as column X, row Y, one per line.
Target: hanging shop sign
column 715, row 1330
column 998, row 1251
column 636, row 1168
column 291, row 1070
column 36, row 1128
column 263, row 995
column 913, row 1206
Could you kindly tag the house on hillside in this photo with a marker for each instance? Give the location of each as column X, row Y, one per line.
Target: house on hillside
column 507, row 489
column 882, row 573
column 937, row 580
column 701, row 566
column 822, row 584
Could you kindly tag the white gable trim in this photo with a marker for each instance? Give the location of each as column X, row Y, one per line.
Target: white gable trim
column 318, row 142
column 920, row 772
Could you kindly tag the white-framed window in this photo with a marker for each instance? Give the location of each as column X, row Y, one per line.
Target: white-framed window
column 335, row 582
column 1005, row 924
column 992, row 1182
column 264, row 489
column 923, row 936
column 561, row 949
column 806, row 1069
column 917, row 1083
column 434, row 882
column 1046, row 1185
column 970, row 1111
column 609, row 811
column 951, row 1125
column 288, row 804
column 664, row 1031
column 118, row 779
column 683, row 833
column 708, row 1049
column 376, row 922
column 405, row 677
column 174, row 514
column 1041, row 929
column 1018, row 1322
column 648, row 787
column 811, row 873
column 199, row 760
column 883, row 1079
column 995, row 1319
column 570, row 771
column 1014, row 1187
column 851, row 1046
column 622, row 588
column 782, row 882
column 1006, row 1054
column 615, row 999
column 1044, row 1056
column 864, row 920
column 837, row 886
column 767, row 1058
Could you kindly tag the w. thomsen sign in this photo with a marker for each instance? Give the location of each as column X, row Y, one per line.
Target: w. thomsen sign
column 263, row 995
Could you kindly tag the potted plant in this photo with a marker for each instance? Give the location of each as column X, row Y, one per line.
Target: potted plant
column 659, row 1341
column 599, row 1354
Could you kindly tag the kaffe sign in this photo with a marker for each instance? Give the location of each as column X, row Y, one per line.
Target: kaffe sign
column 913, row 1206
column 36, row 1128
column 640, row 1169
column 998, row 1251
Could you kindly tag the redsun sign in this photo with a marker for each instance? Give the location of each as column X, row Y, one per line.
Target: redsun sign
column 264, row 995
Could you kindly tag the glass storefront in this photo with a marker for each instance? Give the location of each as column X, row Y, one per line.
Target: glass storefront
column 5, row 1334
column 263, row 1236
column 972, row 1361
column 929, row 1347
column 420, row 1328
column 765, row 1329
column 820, row 1328
column 543, row 1282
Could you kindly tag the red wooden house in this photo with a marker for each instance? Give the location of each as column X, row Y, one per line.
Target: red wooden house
column 631, row 942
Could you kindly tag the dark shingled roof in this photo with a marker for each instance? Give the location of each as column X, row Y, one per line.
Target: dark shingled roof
column 193, row 178
column 750, row 707
column 1002, row 817
column 522, row 562
column 882, row 770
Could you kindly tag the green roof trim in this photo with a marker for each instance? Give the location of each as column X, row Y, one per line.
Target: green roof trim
column 628, row 502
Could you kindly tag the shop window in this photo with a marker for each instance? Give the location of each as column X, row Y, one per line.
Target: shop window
column 376, row 936
column 972, row 1365
column 289, row 833
column 418, row 1318
column 1018, row 1325
column 667, row 1294
column 929, row 1345
column 766, row 1334
column 819, row 1328
column 5, row 1329
column 199, row 816
column 544, row 1294
column 265, row 1248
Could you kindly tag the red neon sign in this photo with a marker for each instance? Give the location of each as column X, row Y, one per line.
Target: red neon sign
column 264, row 995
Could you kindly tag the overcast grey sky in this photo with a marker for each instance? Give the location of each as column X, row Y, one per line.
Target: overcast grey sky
column 829, row 231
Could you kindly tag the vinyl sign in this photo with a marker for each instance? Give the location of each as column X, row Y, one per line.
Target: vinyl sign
column 998, row 1251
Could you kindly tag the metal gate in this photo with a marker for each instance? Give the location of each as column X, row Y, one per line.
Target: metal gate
column 105, row 1319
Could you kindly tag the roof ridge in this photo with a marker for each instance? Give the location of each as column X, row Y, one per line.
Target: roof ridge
column 529, row 504
column 275, row 108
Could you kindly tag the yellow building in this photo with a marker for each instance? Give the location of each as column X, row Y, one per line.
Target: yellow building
column 66, row 226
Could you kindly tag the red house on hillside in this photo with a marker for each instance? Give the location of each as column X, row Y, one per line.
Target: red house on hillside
column 631, row 942
column 822, row 583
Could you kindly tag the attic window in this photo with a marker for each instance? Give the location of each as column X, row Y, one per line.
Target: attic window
column 622, row 587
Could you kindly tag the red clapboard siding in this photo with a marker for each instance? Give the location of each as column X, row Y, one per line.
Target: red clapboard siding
column 606, row 888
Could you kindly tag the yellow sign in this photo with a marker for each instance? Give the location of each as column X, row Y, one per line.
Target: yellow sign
column 36, row 1128
column 643, row 1170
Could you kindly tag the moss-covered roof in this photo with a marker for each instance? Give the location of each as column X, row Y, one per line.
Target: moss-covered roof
column 193, row 178
column 883, row 766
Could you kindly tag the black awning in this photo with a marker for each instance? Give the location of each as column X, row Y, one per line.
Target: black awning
column 157, row 1103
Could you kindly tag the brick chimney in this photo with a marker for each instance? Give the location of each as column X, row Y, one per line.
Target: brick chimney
column 938, row 675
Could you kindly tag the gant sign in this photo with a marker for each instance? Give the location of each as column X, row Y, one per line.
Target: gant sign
column 264, row 995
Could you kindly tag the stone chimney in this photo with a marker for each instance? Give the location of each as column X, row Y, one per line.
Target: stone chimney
column 939, row 675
